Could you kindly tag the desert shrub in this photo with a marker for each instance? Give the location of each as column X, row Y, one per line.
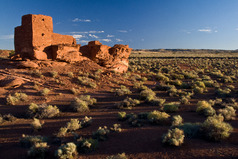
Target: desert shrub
column 122, row 91
column 147, row 94
column 229, row 113
column 7, row 117
column 1, row 119
column 122, row 116
column 62, row 132
column 14, row 99
column 118, row 156
column 86, row 121
column 162, row 77
column 38, row 151
column 209, row 83
column 174, row 137
column 190, row 129
column 116, row 128
column 28, row 141
column 177, row 120
column 223, row 92
column 200, row 84
column 54, row 74
column 79, row 105
column 171, row 107
column 164, row 87
column 198, row 90
column 175, row 82
column 36, row 124
column 157, row 117
column 128, row 103
column 44, row 92
column 217, row 74
column 158, row 101
column 71, row 74
column 214, row 128
column 184, row 100
column 73, row 125
column 134, row 121
column 226, row 79
column 173, row 92
column 140, row 86
column 88, row 99
column 43, row 111
column 67, row 151
column 205, row 108
column 101, row 134
column 86, row 145
column 87, row 82
column 190, row 75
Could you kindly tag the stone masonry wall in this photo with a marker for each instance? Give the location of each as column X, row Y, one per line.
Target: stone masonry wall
column 35, row 36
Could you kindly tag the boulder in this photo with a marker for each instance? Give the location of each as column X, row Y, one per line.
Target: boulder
column 120, row 51
column 97, row 52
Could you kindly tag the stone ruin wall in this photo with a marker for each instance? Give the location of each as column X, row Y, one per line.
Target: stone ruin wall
column 35, row 39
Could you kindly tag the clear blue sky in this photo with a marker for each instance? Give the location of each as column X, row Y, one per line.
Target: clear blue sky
column 146, row 24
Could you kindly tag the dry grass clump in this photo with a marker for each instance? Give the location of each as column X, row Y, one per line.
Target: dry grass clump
column 174, row 137
column 15, row 98
column 43, row 111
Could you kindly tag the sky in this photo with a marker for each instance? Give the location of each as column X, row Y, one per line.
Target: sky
column 142, row 24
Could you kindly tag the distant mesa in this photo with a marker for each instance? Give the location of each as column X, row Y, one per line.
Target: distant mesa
column 35, row 40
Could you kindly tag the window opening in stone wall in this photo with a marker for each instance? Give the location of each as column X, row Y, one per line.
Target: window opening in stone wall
column 42, row 34
column 43, row 19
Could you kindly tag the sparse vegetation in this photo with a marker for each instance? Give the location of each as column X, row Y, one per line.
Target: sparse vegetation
column 67, row 151
column 214, row 128
column 158, row 117
column 43, row 111
column 174, row 137
column 15, row 98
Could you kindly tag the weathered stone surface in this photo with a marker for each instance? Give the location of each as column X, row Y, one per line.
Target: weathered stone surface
column 11, row 82
column 114, row 58
column 33, row 39
column 97, row 52
column 120, row 66
column 68, row 53
column 27, row 64
column 120, row 51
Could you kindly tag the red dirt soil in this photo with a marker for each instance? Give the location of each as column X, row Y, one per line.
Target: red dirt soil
column 138, row 143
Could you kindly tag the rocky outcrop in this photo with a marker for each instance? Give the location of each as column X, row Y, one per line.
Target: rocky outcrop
column 114, row 58
column 35, row 40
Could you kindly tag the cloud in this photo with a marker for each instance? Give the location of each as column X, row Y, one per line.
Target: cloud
column 81, row 20
column 207, row 30
column 83, row 41
column 87, row 32
column 93, row 36
column 236, row 29
column 107, row 40
column 94, row 32
column 122, row 31
column 119, row 40
column 7, row 37
column 110, row 36
column 77, row 36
